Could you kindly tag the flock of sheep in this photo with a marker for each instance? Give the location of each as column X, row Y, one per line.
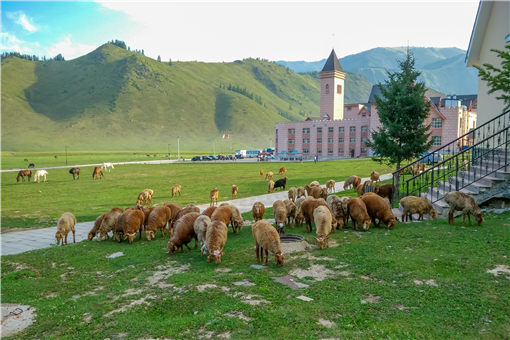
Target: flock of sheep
column 39, row 175
column 311, row 202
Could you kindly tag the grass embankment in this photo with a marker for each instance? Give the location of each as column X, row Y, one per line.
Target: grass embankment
column 39, row 205
column 420, row 280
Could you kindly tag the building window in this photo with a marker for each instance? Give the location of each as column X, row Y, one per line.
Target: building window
column 291, row 141
column 319, row 150
column 339, row 89
column 364, row 114
column 353, row 129
column 292, row 131
column 349, row 108
column 363, row 140
column 341, row 129
column 330, row 140
column 352, row 140
column 363, row 150
column 306, row 130
column 330, row 129
column 437, row 123
column 330, row 150
column 319, row 140
column 319, row 130
column 364, row 129
column 341, row 151
column 436, row 140
column 306, row 140
column 306, row 151
column 340, row 140
column 327, row 88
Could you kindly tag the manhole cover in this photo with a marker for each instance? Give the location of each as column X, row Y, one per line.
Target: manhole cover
column 288, row 238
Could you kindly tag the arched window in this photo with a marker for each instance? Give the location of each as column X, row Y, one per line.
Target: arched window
column 327, row 88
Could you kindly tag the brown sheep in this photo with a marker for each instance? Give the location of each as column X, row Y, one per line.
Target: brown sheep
column 200, row 226
column 378, row 208
column 417, row 205
column 282, row 170
column 145, row 196
column 292, row 194
column 308, row 190
column 176, row 189
column 386, row 190
column 184, row 211
column 338, row 210
column 97, row 173
column 291, row 212
column 209, row 211
column 353, row 181
column 280, row 216
column 315, row 184
column 213, row 195
column 322, row 218
column 236, row 221
column 269, row 175
column 270, row 187
column 130, row 222
column 65, row 224
column 301, row 192
column 330, row 185
column 175, row 209
column 465, row 203
column 374, row 176
column 360, row 189
column 108, row 222
column 215, row 238
column 307, row 208
column 146, row 212
column 318, row 192
column 258, row 210
column 223, row 214
column 267, row 240
column 261, row 172
column 184, row 232
column 158, row 219
column 357, row 211
column 95, row 228
column 235, row 188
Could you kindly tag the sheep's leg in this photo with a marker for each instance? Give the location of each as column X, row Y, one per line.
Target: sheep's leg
column 196, row 242
column 267, row 256
column 463, row 218
column 74, row 236
column 257, row 252
column 469, row 218
column 451, row 219
column 187, row 247
column 66, row 239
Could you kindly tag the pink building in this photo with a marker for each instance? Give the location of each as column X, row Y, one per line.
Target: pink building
column 338, row 133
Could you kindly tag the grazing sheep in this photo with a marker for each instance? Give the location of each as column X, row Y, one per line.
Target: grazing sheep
column 353, row 181
column 465, row 203
column 31, row 165
column 95, row 228
column 308, row 190
column 378, row 208
column 330, row 185
column 176, row 189
column 235, row 188
column 236, row 221
column 374, row 176
column 267, row 240
column 145, row 197
column 213, row 195
column 307, row 208
column 292, row 194
column 270, row 187
column 280, row 216
column 269, row 175
column 183, row 233
column 108, row 222
column 130, row 222
column 322, row 218
column 258, row 210
column 190, row 208
column 301, row 192
column 299, row 201
column 360, row 189
column 75, row 172
column 159, row 217
column 65, row 224
column 291, row 211
column 282, row 170
column 215, row 238
column 97, row 173
column 261, row 172
column 40, row 174
column 222, row 213
column 22, row 174
column 357, row 210
column 209, row 211
column 108, row 166
column 318, row 192
column 200, row 226
column 175, row 209
column 315, row 184
column 281, row 183
column 417, row 205
column 386, row 190
column 338, row 211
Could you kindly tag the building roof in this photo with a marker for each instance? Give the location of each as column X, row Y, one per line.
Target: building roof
column 429, row 93
column 332, row 64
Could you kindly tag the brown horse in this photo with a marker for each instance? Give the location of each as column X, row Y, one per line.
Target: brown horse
column 98, row 172
column 22, row 174
column 75, row 172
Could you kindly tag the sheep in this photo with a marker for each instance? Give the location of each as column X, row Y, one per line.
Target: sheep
column 291, row 211
column 107, row 166
column 130, row 222
column 307, row 208
column 280, row 215
column 65, row 224
column 386, row 190
column 357, row 210
column 215, row 238
column 213, row 195
column 22, row 174
column 299, row 201
column 261, row 172
column 282, row 170
column 146, row 212
column 175, row 209
column 378, row 208
column 345, row 203
column 417, row 205
column 301, row 192
column 360, row 189
column 236, row 221
column 145, row 196
column 184, row 211
column 353, row 181
column 209, row 211
column 281, row 183
column 184, row 232
column 318, row 192
column 95, row 228
column 330, row 185
column 292, row 194
column 200, row 227
column 322, row 218
column 267, row 240
column 97, row 173
column 235, row 188
column 158, row 219
column 176, row 189
column 75, row 172
column 223, row 214
column 257, row 210
column 374, row 176
column 270, row 187
column 315, row 184
column 465, row 203
column 338, row 210
column 269, row 175
column 308, row 190
column 40, row 174
column 108, row 222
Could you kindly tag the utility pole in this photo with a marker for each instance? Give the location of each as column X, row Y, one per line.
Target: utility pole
column 66, row 155
column 178, row 148
column 168, row 150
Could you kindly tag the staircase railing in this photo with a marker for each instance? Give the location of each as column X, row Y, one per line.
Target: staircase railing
column 483, row 149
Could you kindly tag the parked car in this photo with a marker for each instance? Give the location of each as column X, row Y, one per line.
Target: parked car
column 196, row 158
column 430, row 158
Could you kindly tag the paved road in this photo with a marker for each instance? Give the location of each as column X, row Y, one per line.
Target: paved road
column 22, row 241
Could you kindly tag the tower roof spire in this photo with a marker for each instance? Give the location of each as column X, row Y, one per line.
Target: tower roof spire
column 332, row 64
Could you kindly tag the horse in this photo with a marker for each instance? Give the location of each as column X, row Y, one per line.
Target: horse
column 107, row 166
column 31, row 165
column 39, row 174
column 74, row 172
column 98, row 172
column 22, row 174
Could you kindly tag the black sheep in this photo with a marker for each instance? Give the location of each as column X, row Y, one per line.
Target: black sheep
column 282, row 182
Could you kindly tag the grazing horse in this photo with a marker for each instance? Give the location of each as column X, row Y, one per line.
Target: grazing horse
column 31, row 165
column 75, row 172
column 107, row 166
column 98, row 172
column 39, row 174
column 22, row 174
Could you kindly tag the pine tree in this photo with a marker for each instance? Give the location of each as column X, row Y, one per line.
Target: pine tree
column 159, row 58
column 402, row 112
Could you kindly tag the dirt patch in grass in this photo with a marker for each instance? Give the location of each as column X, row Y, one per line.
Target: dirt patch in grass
column 239, row 315
column 326, row 323
column 318, row 272
column 500, row 269
column 251, row 299
column 370, row 299
column 16, row 318
column 164, row 272
column 125, row 307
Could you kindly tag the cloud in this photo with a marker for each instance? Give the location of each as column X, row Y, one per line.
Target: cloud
column 21, row 19
column 11, row 43
column 69, row 49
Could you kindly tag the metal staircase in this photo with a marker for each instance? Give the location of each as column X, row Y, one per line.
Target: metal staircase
column 476, row 163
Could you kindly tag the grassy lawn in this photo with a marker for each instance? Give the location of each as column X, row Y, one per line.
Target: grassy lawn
column 27, row 205
column 420, row 280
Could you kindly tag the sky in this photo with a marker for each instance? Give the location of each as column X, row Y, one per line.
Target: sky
column 226, row 31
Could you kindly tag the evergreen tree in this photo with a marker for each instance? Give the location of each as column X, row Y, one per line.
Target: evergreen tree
column 170, row 61
column 402, row 111
column 498, row 79
column 59, row 57
column 159, row 58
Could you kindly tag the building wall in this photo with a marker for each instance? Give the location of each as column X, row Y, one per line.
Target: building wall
column 332, row 102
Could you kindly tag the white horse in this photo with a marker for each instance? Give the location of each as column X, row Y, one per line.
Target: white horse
column 39, row 174
column 107, row 166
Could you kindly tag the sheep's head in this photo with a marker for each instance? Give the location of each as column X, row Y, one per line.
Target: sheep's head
column 366, row 225
column 479, row 218
column 299, row 218
column 391, row 223
column 279, row 258
column 59, row 237
column 149, row 234
column 216, row 255
column 91, row 235
column 433, row 214
column 172, row 247
column 321, row 241
column 131, row 237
